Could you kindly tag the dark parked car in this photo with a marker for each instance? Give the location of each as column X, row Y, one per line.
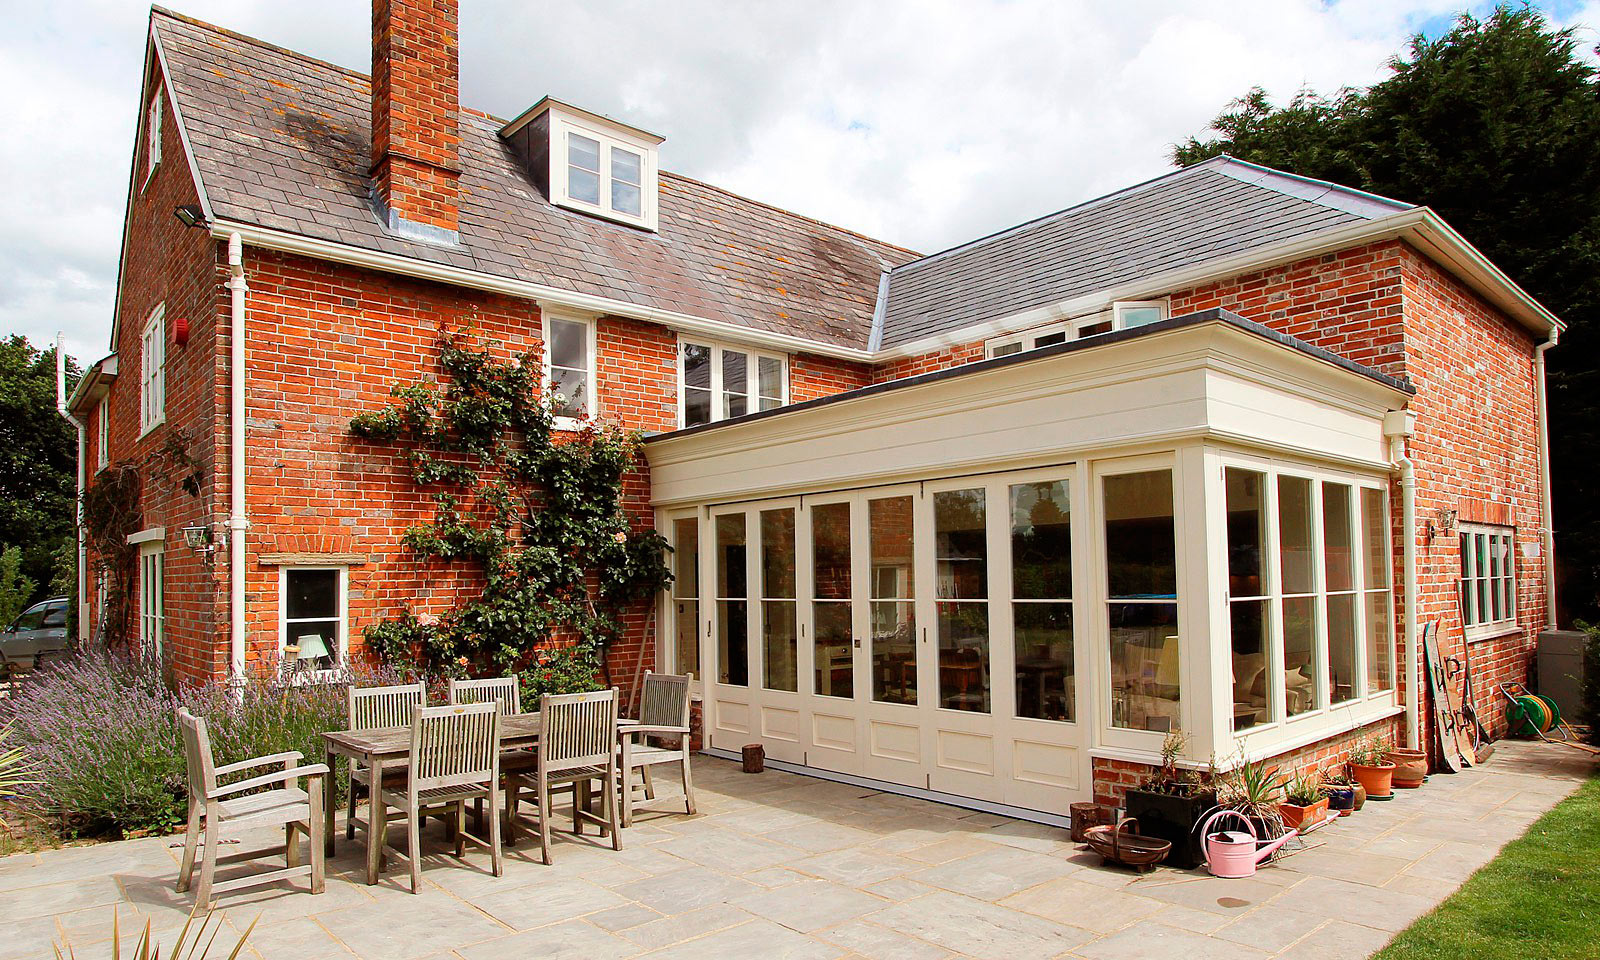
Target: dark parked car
column 38, row 633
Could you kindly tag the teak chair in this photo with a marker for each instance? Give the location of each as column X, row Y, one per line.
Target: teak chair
column 209, row 808
column 370, row 708
column 455, row 757
column 663, row 714
column 577, row 746
column 506, row 691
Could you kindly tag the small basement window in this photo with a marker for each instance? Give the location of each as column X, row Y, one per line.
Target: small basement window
column 720, row 383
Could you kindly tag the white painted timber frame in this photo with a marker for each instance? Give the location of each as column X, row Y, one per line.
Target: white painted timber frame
column 549, row 315
column 342, row 610
column 1072, row 329
column 752, row 376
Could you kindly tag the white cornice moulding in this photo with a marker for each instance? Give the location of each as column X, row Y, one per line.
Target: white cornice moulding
column 285, row 242
column 148, row 535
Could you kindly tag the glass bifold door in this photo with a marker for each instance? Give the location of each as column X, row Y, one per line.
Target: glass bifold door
column 921, row 634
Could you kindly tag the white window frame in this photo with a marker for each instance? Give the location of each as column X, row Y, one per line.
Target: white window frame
column 753, row 395
column 1502, row 583
column 562, row 126
column 102, row 429
column 342, row 606
column 152, row 597
column 591, row 403
column 152, row 148
column 1026, row 340
column 153, row 371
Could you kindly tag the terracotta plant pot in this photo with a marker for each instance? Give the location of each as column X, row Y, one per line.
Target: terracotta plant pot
column 1303, row 818
column 1378, row 780
column 1410, row 767
column 1361, row 798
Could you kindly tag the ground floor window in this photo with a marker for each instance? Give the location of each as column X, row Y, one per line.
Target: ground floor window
column 1142, row 600
column 312, row 610
column 686, row 593
column 152, row 598
column 1488, row 582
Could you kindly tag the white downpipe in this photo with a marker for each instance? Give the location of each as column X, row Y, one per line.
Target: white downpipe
column 237, row 521
column 1541, row 393
column 77, row 526
column 1408, row 528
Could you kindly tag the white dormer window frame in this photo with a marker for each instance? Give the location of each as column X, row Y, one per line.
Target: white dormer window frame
column 611, row 164
column 152, row 149
column 153, row 371
column 587, row 409
column 102, row 429
column 1120, row 315
column 721, row 396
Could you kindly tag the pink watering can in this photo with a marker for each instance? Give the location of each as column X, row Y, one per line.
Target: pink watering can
column 1232, row 854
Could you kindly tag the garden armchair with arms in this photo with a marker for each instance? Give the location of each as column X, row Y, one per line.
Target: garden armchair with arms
column 211, row 805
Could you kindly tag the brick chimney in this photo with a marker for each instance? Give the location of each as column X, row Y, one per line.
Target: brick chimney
column 416, row 136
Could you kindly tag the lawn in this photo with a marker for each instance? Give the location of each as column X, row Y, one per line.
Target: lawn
column 1539, row 898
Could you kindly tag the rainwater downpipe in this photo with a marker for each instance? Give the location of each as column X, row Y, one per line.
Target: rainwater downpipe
column 83, row 551
column 237, row 521
column 1398, row 426
column 1541, row 393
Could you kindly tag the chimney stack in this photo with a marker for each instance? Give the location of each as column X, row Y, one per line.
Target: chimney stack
column 416, row 134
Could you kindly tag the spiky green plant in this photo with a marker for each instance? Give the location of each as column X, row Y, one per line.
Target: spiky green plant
column 16, row 772
column 197, row 947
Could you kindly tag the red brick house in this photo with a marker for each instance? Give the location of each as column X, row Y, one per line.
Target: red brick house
column 1203, row 454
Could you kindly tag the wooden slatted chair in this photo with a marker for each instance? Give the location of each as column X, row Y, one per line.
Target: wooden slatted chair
column 455, row 757
column 577, row 747
column 211, row 806
column 371, row 708
column 507, row 691
column 663, row 717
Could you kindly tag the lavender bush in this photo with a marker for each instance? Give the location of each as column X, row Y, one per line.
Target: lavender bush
column 102, row 734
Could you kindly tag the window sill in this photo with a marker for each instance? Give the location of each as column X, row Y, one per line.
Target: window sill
column 573, row 424
column 151, row 428
column 1493, row 631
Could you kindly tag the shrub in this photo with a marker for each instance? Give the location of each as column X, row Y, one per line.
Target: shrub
column 15, row 587
column 1589, row 696
column 101, row 734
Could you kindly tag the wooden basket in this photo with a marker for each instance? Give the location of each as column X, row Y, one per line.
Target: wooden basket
column 1086, row 815
column 1125, row 847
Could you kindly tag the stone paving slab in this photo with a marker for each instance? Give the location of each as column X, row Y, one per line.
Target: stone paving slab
column 778, row 865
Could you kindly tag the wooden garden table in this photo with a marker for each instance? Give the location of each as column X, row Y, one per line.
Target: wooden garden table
column 388, row 746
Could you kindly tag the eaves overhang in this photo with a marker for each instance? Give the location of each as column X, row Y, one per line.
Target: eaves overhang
column 92, row 386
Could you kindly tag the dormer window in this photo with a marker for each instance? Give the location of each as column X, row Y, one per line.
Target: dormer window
column 589, row 163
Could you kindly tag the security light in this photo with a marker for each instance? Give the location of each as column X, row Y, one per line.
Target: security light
column 190, row 215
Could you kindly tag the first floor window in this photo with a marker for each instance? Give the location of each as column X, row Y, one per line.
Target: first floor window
column 569, row 367
column 153, row 370
column 152, row 599
column 1123, row 315
column 1488, row 584
column 102, row 429
column 720, row 383
column 313, row 617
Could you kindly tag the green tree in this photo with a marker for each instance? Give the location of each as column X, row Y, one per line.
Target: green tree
column 38, row 458
column 15, row 587
column 1496, row 126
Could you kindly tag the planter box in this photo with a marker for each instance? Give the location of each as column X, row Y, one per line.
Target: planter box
column 1172, row 818
column 1303, row 818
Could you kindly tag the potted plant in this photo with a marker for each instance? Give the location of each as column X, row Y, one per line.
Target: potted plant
column 1370, row 766
column 1170, row 803
column 1410, row 767
column 1255, row 790
column 1304, row 804
column 1341, row 793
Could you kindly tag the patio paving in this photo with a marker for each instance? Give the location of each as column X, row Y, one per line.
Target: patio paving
column 783, row 866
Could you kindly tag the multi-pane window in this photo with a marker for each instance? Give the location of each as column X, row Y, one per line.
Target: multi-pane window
column 1297, row 573
column 606, row 176
column 1488, row 582
column 733, row 601
column 153, row 371
column 1377, row 568
column 1142, row 600
column 719, row 383
column 583, row 168
column 1041, row 604
column 152, row 599
column 779, row 639
column 627, row 177
column 569, row 367
column 1123, row 315
column 102, row 430
column 833, row 637
column 152, row 127
column 686, row 592
column 961, row 563
column 312, row 613
column 1249, row 594
column 891, row 534
column 1339, row 566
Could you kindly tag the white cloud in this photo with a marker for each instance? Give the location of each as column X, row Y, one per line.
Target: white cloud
column 925, row 122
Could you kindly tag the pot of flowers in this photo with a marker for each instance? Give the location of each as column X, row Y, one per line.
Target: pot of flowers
column 1341, row 793
column 1370, row 766
column 1170, row 803
column 1304, row 805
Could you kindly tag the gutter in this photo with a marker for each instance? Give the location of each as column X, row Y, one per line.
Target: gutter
column 1547, row 527
column 1398, row 426
column 83, row 549
column 238, row 522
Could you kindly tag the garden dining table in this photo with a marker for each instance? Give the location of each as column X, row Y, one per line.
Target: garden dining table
column 382, row 747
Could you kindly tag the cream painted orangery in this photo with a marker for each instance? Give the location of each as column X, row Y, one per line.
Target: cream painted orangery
column 974, row 584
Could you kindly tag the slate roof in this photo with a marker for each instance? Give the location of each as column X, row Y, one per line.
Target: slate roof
column 283, row 141
column 1208, row 211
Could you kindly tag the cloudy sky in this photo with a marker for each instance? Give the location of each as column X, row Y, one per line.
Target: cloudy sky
column 923, row 122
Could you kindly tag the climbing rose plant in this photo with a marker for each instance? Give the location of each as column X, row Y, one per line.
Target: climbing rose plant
column 538, row 512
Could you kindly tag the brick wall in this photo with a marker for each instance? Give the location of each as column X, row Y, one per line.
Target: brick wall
column 416, row 135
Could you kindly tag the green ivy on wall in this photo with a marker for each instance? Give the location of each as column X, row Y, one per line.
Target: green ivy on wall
column 538, row 512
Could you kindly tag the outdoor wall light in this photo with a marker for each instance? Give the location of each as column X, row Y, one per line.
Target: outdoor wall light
column 190, row 215
column 198, row 537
